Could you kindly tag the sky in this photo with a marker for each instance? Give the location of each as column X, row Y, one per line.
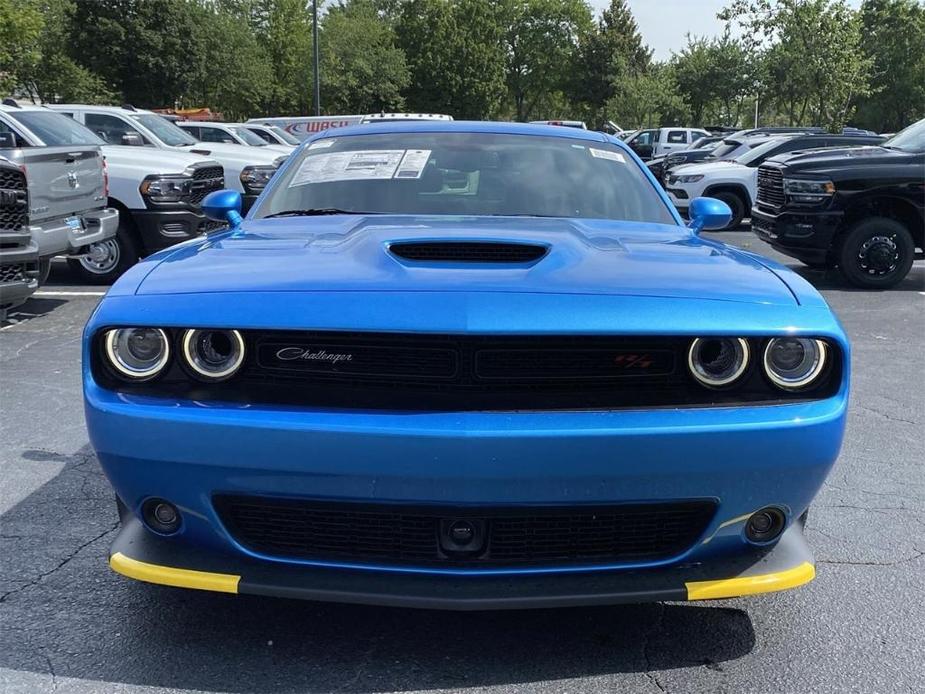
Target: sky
column 663, row 23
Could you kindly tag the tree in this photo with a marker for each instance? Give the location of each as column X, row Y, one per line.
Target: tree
column 715, row 77
column 21, row 26
column 456, row 56
column 649, row 99
column 541, row 40
column 612, row 53
column 364, row 71
column 892, row 30
column 815, row 65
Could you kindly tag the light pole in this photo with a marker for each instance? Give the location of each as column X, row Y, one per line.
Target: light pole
column 315, row 57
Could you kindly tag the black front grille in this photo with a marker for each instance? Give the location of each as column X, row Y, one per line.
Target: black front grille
column 14, row 204
column 516, row 536
column 469, row 252
column 770, row 186
column 12, row 273
column 205, row 180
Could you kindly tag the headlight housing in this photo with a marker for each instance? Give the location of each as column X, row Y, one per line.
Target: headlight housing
column 717, row 362
column 692, row 178
column 792, row 363
column 255, row 178
column 808, row 192
column 137, row 354
column 213, row 355
column 170, row 188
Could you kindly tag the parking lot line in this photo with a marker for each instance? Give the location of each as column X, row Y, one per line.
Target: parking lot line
column 42, row 292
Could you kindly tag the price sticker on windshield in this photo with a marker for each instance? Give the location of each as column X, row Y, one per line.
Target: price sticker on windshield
column 606, row 154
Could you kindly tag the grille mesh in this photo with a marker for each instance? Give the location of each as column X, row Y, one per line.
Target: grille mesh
column 12, row 273
column 469, row 252
column 14, row 206
column 307, row 529
column 205, row 180
column 770, row 186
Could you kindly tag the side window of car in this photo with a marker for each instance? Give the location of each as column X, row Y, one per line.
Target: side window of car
column 643, row 138
column 677, row 137
column 263, row 135
column 215, row 135
column 11, row 138
column 192, row 130
column 112, row 129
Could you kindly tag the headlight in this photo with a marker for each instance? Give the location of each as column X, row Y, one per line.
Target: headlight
column 794, row 362
column 718, row 361
column 255, row 178
column 138, row 354
column 213, row 355
column 807, row 191
column 693, row 178
column 166, row 188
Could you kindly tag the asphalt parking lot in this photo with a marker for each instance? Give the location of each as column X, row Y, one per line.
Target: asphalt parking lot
column 68, row 624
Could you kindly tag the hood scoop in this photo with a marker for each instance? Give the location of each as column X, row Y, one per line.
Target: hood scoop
column 468, row 251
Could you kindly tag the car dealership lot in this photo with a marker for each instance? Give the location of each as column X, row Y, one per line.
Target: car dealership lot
column 68, row 623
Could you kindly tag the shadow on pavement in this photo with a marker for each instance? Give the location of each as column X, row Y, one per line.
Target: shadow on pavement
column 64, row 611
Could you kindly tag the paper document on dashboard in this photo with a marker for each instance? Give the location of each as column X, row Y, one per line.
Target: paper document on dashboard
column 348, row 166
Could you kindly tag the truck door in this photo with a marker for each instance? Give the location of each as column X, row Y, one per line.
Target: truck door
column 674, row 139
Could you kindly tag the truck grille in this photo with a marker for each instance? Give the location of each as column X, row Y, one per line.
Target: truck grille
column 205, row 180
column 770, row 187
column 516, row 536
column 12, row 273
column 14, row 202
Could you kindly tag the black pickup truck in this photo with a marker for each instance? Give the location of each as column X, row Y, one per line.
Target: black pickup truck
column 861, row 209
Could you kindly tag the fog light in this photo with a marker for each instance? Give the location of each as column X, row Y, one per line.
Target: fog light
column 161, row 516
column 765, row 525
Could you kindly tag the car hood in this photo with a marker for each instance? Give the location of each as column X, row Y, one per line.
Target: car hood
column 719, row 167
column 352, row 253
column 242, row 154
column 822, row 160
column 154, row 161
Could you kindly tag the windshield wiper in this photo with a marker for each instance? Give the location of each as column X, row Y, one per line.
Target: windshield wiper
column 315, row 212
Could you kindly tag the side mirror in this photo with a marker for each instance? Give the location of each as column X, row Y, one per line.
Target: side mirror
column 708, row 213
column 132, row 140
column 7, row 141
column 225, row 206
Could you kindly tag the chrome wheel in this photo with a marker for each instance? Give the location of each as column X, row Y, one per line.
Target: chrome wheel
column 101, row 257
column 879, row 255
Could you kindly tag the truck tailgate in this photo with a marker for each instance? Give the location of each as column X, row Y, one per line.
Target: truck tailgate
column 63, row 181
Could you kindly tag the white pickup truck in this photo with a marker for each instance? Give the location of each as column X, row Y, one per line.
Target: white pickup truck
column 68, row 212
column 231, row 133
column 656, row 142
column 247, row 169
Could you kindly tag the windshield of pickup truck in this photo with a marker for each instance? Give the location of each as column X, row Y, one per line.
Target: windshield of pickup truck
column 164, row 130
column 459, row 173
column 759, row 152
column 249, row 138
column 911, row 139
column 56, row 129
column 286, row 137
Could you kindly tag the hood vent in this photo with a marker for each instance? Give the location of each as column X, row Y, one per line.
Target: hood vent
column 468, row 251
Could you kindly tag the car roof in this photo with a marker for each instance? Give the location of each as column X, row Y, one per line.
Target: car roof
column 496, row 127
column 9, row 108
column 106, row 109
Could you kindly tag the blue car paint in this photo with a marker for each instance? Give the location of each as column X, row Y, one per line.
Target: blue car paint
column 600, row 278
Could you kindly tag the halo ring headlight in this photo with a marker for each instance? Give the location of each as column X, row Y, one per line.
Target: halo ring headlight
column 718, row 361
column 137, row 354
column 213, row 355
column 793, row 363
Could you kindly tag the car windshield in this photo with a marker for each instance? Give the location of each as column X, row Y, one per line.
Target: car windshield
column 164, row 130
column 249, row 138
column 441, row 173
column 911, row 139
column 725, row 148
column 284, row 136
column 760, row 152
column 55, row 129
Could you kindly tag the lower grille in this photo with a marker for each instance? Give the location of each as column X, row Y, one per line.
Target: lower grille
column 12, row 273
column 393, row 534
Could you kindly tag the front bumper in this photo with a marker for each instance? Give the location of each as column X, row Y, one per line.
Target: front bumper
column 139, row 554
column 161, row 229
column 18, row 273
column 58, row 238
column 805, row 235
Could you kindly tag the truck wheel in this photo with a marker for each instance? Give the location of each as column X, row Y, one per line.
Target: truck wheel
column 44, row 270
column 876, row 253
column 736, row 204
column 105, row 261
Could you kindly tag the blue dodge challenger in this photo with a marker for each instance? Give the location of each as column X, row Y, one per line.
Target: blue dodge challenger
column 467, row 366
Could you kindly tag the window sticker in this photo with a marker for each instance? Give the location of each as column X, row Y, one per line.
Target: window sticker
column 323, row 144
column 606, row 154
column 413, row 163
column 348, row 166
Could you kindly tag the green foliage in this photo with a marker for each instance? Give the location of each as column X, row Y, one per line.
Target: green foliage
column 814, row 64
column 363, row 69
column 21, row 26
column 894, row 41
column 716, row 77
column 648, row 99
